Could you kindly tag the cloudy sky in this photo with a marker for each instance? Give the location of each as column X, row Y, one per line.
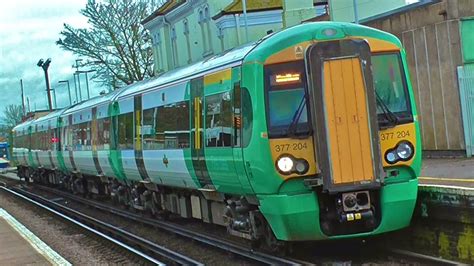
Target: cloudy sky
column 28, row 32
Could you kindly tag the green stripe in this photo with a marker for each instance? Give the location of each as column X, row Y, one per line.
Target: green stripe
column 115, row 156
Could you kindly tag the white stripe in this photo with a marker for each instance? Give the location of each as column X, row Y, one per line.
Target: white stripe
column 446, row 186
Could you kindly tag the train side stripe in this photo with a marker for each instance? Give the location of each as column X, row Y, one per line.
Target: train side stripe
column 95, row 135
column 138, row 139
column 71, row 154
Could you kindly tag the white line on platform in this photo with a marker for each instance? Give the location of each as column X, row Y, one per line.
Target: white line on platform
column 469, row 180
column 51, row 255
column 446, row 186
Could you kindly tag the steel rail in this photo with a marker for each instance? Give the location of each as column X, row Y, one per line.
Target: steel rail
column 430, row 260
column 104, row 230
column 178, row 230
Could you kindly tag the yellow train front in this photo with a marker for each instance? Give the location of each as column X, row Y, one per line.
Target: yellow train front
column 340, row 128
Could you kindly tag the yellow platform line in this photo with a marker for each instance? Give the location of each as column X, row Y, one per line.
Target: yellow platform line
column 447, row 179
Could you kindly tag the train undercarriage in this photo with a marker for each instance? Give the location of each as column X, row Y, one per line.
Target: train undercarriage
column 239, row 214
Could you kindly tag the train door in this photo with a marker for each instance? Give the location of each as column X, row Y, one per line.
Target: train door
column 343, row 107
column 218, row 125
column 197, row 134
column 238, row 121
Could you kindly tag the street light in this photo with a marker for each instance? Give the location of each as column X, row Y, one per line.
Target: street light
column 78, row 78
column 45, row 66
column 68, row 89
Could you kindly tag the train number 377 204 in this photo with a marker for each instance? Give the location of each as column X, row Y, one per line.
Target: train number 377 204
column 291, row 147
column 395, row 135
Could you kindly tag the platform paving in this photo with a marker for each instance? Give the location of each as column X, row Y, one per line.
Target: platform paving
column 448, row 172
column 19, row 246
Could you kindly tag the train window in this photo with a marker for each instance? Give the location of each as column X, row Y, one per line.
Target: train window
column 390, row 84
column 237, row 115
column 247, row 117
column 286, row 96
column 125, row 131
column 149, row 129
column 67, row 138
column 166, row 127
column 103, row 134
column 81, row 137
column 219, row 120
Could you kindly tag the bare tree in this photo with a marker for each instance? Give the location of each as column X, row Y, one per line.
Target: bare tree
column 13, row 114
column 116, row 45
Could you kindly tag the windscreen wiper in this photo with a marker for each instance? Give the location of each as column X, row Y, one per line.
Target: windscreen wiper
column 293, row 127
column 392, row 119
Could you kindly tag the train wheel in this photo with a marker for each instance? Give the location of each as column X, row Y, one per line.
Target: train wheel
column 272, row 244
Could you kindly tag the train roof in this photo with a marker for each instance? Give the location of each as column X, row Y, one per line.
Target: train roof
column 54, row 114
column 22, row 125
column 231, row 56
column 95, row 101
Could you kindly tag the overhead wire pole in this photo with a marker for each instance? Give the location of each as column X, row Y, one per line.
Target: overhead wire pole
column 54, row 97
column 356, row 12
column 87, row 80
column 244, row 7
column 68, row 90
column 78, row 78
column 22, row 98
column 75, row 86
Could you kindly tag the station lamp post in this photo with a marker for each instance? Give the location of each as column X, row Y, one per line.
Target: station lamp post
column 45, row 65
column 68, row 90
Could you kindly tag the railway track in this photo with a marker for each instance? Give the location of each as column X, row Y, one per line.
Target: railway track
column 141, row 247
column 214, row 242
column 228, row 247
column 421, row 258
column 399, row 255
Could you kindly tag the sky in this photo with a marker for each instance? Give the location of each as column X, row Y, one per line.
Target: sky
column 29, row 30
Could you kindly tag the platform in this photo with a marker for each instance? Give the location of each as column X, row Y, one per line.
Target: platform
column 19, row 246
column 448, row 172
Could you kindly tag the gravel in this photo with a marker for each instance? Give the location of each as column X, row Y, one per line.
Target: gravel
column 71, row 242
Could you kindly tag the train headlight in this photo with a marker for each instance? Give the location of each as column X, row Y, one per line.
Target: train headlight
column 285, row 164
column 301, row 167
column 391, row 157
column 404, row 150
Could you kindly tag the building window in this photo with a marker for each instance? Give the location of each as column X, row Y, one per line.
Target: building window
column 174, row 45
column 202, row 22
column 188, row 42
column 158, row 53
column 207, row 19
column 220, row 35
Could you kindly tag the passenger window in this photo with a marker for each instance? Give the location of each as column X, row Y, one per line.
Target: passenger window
column 103, row 134
column 166, row 127
column 219, row 120
column 125, row 131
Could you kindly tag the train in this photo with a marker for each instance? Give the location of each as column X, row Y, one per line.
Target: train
column 310, row 133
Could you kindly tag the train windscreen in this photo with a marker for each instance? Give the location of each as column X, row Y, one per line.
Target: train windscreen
column 287, row 112
column 393, row 106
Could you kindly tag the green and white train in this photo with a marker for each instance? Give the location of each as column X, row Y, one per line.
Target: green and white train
column 310, row 133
